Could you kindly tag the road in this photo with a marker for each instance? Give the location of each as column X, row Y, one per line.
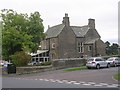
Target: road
column 102, row 78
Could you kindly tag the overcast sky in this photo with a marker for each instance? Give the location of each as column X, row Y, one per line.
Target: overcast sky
column 105, row 13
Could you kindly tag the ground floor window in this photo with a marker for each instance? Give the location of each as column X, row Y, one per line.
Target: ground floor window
column 89, row 48
column 80, row 47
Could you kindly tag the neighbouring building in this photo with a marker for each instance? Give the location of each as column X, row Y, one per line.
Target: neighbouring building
column 65, row 41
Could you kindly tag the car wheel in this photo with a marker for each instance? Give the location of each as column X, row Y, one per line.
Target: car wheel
column 98, row 66
column 108, row 65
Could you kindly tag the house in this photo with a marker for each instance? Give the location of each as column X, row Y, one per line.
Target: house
column 65, row 41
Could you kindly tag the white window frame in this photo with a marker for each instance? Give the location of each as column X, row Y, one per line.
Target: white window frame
column 81, row 47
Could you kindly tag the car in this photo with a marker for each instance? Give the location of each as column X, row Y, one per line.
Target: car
column 114, row 61
column 97, row 62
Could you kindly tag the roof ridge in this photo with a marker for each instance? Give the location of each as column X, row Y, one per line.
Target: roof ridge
column 80, row 26
column 56, row 25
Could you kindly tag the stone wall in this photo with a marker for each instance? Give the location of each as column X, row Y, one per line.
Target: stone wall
column 68, row 63
column 34, row 69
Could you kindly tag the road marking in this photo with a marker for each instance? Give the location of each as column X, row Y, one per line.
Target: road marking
column 65, row 81
column 103, row 83
column 76, row 83
column 52, row 80
column 46, row 80
column 36, row 79
column 73, row 82
column 59, row 81
column 91, row 83
column 41, row 79
column 86, row 84
column 68, row 82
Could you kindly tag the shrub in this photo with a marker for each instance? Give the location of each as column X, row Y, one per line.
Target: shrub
column 20, row 58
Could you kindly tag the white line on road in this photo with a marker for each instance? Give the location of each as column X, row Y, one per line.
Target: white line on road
column 41, row 79
column 103, row 83
column 46, row 80
column 76, row 83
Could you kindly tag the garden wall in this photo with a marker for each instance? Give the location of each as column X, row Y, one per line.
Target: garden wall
column 67, row 63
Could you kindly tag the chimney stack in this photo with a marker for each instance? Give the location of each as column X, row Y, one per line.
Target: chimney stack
column 66, row 20
column 91, row 23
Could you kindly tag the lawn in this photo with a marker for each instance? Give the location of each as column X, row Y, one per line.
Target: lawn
column 76, row 69
column 117, row 76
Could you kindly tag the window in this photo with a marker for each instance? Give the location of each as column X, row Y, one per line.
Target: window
column 80, row 47
column 89, row 48
column 98, row 60
column 53, row 45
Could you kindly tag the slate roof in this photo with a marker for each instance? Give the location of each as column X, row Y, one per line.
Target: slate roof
column 91, row 41
column 80, row 31
column 54, row 31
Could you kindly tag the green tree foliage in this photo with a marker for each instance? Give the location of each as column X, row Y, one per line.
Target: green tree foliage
column 20, row 58
column 36, row 29
column 20, row 32
column 111, row 49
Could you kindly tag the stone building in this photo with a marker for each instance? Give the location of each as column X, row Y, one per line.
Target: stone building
column 65, row 41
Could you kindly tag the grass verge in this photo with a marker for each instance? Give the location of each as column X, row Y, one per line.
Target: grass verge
column 76, row 69
column 117, row 76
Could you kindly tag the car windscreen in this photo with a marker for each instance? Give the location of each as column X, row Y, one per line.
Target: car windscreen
column 110, row 59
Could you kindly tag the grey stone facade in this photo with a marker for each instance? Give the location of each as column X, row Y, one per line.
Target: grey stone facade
column 65, row 41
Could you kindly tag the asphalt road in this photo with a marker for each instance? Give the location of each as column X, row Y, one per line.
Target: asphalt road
column 102, row 78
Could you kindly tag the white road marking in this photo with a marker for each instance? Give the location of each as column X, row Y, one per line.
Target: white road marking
column 76, row 83
column 68, row 82
column 46, row 80
column 65, row 81
column 103, row 83
column 73, row 82
column 91, row 83
column 86, row 84
column 41, row 79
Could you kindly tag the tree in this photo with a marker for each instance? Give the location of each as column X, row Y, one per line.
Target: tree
column 36, row 29
column 114, row 48
column 20, row 32
column 111, row 49
column 108, row 49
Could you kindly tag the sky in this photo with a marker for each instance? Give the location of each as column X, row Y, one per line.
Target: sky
column 105, row 13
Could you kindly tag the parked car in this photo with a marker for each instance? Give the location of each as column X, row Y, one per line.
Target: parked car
column 114, row 61
column 97, row 62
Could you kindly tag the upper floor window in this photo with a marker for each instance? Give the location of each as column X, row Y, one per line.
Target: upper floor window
column 53, row 45
column 80, row 47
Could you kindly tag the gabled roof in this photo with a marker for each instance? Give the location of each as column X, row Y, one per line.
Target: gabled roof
column 91, row 41
column 54, row 31
column 80, row 31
